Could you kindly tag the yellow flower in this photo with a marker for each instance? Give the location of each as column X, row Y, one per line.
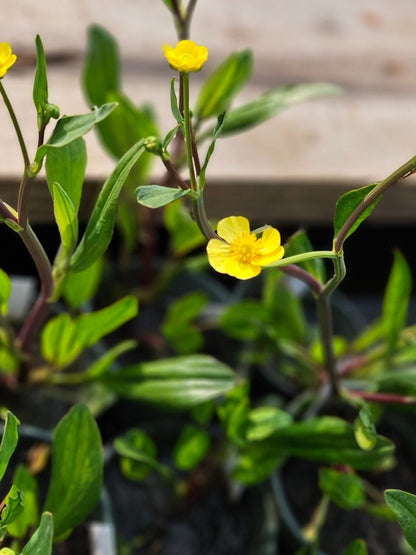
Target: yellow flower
column 242, row 254
column 7, row 59
column 186, row 57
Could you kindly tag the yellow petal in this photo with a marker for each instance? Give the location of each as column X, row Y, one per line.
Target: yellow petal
column 270, row 247
column 218, row 255
column 232, row 227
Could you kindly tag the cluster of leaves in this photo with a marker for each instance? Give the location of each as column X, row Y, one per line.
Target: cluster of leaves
column 74, row 487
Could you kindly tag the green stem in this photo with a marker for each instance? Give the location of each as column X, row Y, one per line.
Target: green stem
column 188, row 131
column 16, row 126
column 404, row 171
column 201, row 218
column 302, row 258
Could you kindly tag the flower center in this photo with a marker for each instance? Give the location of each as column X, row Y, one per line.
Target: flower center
column 245, row 248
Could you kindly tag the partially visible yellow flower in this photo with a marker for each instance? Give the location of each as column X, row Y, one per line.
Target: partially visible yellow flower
column 187, row 56
column 242, row 254
column 7, row 59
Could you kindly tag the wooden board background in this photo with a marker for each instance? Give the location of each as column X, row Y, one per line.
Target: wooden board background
column 291, row 168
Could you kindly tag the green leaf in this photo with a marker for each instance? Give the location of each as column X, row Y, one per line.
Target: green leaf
column 270, row 103
column 245, row 320
column 104, row 363
column 70, row 128
column 40, row 85
column 223, row 84
column 174, row 104
column 13, row 506
column 101, row 72
column 66, row 165
column 191, row 447
column 144, row 448
column 156, row 196
column 41, row 541
column 80, row 287
column 64, row 338
column 357, row 547
column 215, row 135
column 399, row 381
column 5, row 291
column 299, row 243
column 256, row 463
column 264, row 421
column 77, row 470
column 234, row 413
column 65, row 217
column 403, row 505
column 177, row 327
column 344, row 489
column 179, row 383
column 100, row 227
column 347, row 203
column 26, row 483
column 364, row 429
column 8, row 442
column 396, row 300
column 184, row 232
column 327, row 440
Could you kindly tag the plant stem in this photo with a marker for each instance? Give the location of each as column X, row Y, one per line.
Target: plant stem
column 16, row 126
column 301, row 274
column 381, row 397
column 40, row 309
column 188, row 131
column 404, row 171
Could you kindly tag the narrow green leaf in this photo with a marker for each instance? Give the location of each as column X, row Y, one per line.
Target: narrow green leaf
column 41, row 541
column 5, row 291
column 216, row 134
column 403, row 505
column 70, row 128
column 223, row 84
column 396, row 300
column 347, row 203
column 40, row 85
column 65, row 217
column 77, row 470
column 184, row 232
column 270, row 103
column 66, row 165
column 357, row 547
column 104, row 363
column 8, row 442
column 174, row 104
column 299, row 243
column 180, row 383
column 80, row 287
column 64, row 338
column 101, row 73
column 100, row 227
column 245, row 320
column 156, row 196
column 191, row 447
column 344, row 489
column 26, row 483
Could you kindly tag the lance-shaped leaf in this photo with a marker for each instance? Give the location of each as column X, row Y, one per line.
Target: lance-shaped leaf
column 27, row 484
column 270, row 103
column 100, row 227
column 223, row 84
column 77, row 470
column 65, row 217
column 70, row 128
column 8, row 442
column 345, row 489
column 64, row 338
column 403, row 505
column 346, row 205
column 396, row 300
column 215, row 135
column 41, row 541
column 66, row 166
column 156, row 196
column 13, row 507
column 40, row 85
column 180, row 383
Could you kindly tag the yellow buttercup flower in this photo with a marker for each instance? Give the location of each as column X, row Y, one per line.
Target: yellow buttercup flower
column 7, row 59
column 242, row 254
column 186, row 56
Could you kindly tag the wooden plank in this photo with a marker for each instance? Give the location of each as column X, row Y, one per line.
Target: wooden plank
column 306, row 153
